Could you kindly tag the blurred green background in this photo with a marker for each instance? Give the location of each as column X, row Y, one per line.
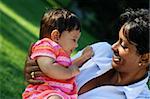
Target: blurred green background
column 19, row 26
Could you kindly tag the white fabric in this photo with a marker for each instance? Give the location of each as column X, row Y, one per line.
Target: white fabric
column 135, row 91
column 98, row 65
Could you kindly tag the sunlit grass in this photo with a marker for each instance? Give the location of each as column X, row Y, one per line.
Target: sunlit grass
column 15, row 35
column 20, row 20
column 11, row 70
column 53, row 3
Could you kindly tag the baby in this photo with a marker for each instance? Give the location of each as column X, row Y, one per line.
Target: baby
column 59, row 34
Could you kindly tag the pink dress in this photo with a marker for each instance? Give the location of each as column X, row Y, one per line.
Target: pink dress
column 66, row 89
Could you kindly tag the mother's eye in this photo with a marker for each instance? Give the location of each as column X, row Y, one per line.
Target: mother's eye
column 123, row 46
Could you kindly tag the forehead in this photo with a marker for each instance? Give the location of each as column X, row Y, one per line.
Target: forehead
column 121, row 33
column 124, row 38
column 75, row 33
column 124, row 34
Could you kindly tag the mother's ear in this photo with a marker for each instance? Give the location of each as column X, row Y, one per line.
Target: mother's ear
column 145, row 59
column 149, row 58
column 55, row 35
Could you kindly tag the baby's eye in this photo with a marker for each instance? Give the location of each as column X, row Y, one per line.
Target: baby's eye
column 74, row 40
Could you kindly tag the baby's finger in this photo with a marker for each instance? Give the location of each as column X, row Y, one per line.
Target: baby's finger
column 92, row 53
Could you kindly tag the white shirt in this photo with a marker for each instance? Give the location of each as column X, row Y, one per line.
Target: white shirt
column 98, row 65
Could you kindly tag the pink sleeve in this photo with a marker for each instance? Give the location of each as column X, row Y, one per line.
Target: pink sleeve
column 43, row 48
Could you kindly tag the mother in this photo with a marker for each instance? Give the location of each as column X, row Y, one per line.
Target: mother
column 120, row 72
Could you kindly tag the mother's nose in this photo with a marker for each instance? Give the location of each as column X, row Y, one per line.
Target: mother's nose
column 114, row 46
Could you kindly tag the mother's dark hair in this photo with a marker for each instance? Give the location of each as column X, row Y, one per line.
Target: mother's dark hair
column 136, row 28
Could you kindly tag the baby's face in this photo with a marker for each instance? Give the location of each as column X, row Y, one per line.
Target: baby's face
column 69, row 40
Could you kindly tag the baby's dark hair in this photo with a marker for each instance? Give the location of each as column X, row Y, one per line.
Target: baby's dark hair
column 60, row 19
column 136, row 28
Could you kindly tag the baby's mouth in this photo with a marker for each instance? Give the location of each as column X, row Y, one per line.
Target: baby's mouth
column 71, row 51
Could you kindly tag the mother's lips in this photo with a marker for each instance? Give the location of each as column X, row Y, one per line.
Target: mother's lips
column 116, row 57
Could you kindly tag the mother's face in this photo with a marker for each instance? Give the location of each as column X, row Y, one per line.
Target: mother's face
column 126, row 58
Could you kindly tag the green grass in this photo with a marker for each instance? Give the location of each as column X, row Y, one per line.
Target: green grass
column 11, row 79
column 19, row 27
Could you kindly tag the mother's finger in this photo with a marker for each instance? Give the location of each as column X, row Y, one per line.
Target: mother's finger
column 30, row 62
column 29, row 52
column 29, row 49
column 33, row 68
column 27, row 76
column 33, row 81
column 38, row 74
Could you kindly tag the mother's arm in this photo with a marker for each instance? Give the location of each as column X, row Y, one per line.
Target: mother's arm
column 32, row 66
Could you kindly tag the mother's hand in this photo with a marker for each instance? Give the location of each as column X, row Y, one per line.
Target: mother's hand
column 32, row 70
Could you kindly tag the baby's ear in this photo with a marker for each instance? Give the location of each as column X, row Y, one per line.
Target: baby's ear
column 55, row 35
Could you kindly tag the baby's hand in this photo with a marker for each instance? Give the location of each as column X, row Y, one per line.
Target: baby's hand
column 75, row 70
column 87, row 52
